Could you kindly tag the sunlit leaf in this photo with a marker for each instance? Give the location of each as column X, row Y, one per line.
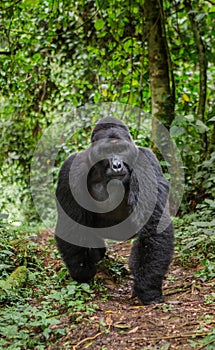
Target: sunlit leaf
column 99, row 24
column 185, row 98
column 104, row 92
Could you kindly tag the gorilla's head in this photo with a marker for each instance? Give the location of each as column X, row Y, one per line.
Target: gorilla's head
column 110, row 127
column 112, row 144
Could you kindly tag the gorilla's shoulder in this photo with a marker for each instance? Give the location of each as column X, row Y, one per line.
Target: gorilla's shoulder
column 75, row 164
column 80, row 158
column 65, row 168
column 152, row 158
column 155, row 164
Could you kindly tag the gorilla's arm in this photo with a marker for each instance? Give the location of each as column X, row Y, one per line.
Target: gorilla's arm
column 152, row 251
column 80, row 261
column 162, row 183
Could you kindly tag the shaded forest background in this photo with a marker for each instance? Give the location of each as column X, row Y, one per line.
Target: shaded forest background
column 57, row 55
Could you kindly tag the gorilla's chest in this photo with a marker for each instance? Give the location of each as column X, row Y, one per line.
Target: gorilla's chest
column 114, row 203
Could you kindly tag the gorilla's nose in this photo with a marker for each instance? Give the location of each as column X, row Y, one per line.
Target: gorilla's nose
column 117, row 165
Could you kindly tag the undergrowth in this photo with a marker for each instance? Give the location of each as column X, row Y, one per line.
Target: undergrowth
column 33, row 315
column 38, row 311
column 195, row 240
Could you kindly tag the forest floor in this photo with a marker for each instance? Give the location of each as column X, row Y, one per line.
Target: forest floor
column 184, row 321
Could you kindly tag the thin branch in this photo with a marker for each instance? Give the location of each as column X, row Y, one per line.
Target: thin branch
column 86, row 339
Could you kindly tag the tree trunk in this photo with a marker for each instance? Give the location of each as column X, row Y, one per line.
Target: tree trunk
column 162, row 96
column 162, row 88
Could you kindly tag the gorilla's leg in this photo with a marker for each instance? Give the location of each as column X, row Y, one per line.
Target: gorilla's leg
column 80, row 261
column 150, row 257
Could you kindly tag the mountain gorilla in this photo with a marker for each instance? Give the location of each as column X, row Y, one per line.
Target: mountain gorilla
column 115, row 190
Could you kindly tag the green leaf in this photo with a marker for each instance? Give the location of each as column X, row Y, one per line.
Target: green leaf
column 4, row 285
column 189, row 117
column 212, row 9
column 99, row 24
column 212, row 119
column 203, row 223
column 176, row 131
column 101, row 35
column 9, row 331
column 200, row 16
column 127, row 45
column 201, row 126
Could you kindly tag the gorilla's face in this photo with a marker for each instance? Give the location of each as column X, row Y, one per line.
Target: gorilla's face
column 112, row 155
column 115, row 155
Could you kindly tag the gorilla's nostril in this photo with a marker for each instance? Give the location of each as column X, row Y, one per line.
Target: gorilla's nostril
column 117, row 165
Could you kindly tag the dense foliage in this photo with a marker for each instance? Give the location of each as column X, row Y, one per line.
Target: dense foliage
column 57, row 55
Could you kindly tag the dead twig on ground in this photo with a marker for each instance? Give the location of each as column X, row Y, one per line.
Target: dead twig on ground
column 86, row 339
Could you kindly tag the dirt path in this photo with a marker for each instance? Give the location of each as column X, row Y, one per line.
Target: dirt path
column 182, row 322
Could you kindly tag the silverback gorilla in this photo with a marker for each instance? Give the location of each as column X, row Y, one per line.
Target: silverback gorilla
column 115, row 190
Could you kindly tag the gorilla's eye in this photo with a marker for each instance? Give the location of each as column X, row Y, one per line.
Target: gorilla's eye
column 114, row 149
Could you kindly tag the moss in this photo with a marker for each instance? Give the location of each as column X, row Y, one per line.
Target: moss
column 15, row 281
column 18, row 277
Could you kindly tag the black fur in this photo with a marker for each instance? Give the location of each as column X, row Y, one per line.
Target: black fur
column 153, row 248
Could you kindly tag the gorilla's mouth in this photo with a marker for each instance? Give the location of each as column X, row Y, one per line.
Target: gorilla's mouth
column 117, row 175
